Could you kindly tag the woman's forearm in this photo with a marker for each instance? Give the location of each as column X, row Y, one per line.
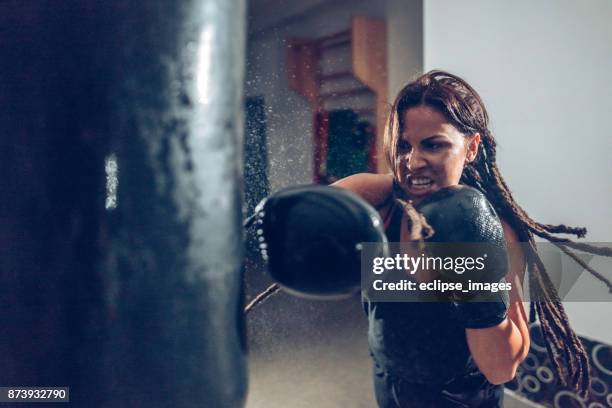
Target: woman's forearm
column 498, row 350
column 516, row 313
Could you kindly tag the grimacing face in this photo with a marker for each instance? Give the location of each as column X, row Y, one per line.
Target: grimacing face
column 432, row 152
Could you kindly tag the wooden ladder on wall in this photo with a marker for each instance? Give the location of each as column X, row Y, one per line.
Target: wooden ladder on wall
column 343, row 69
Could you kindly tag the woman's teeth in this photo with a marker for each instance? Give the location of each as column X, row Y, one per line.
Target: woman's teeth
column 420, row 181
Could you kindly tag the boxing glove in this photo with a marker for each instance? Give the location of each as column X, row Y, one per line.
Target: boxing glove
column 310, row 237
column 466, row 226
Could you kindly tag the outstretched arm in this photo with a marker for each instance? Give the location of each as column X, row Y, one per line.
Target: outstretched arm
column 374, row 188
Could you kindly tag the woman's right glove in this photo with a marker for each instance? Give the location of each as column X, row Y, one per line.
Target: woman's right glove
column 311, row 239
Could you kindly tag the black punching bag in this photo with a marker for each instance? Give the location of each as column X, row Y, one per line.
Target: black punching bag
column 131, row 300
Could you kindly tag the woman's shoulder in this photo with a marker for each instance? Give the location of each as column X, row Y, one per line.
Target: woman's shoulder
column 509, row 232
column 374, row 188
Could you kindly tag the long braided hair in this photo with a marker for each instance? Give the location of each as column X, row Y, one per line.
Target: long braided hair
column 463, row 107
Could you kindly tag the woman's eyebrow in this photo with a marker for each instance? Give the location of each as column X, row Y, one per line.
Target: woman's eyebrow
column 433, row 138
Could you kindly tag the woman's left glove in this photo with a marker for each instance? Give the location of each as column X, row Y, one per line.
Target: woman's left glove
column 466, row 226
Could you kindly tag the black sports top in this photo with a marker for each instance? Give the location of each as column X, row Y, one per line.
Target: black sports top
column 421, row 346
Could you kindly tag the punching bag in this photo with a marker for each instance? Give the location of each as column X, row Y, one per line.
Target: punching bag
column 135, row 299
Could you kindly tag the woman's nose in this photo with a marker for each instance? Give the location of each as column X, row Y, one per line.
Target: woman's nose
column 415, row 160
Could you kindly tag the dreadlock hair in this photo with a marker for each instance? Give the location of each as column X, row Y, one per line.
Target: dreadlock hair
column 463, row 107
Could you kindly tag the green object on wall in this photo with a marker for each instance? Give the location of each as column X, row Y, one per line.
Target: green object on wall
column 348, row 144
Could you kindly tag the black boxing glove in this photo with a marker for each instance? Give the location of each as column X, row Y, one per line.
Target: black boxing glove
column 466, row 226
column 310, row 236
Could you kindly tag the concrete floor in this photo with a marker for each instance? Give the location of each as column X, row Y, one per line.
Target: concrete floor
column 306, row 353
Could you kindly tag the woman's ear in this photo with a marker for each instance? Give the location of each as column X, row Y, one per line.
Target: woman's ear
column 472, row 147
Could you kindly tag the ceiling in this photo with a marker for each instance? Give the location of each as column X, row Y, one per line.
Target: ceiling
column 265, row 14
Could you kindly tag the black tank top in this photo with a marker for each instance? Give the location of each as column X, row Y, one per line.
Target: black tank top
column 421, row 346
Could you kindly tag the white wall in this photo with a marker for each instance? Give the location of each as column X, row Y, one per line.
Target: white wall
column 404, row 43
column 543, row 69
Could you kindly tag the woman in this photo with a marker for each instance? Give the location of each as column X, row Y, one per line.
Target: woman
column 438, row 136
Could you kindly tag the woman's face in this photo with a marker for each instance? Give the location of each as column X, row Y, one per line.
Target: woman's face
column 432, row 152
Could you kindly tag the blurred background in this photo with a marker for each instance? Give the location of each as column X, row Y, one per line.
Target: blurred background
column 323, row 73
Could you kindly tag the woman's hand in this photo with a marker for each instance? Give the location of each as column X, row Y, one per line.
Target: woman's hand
column 499, row 350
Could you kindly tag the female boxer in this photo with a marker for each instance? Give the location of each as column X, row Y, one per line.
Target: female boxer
column 438, row 136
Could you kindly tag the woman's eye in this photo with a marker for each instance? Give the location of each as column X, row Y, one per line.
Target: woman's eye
column 433, row 146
